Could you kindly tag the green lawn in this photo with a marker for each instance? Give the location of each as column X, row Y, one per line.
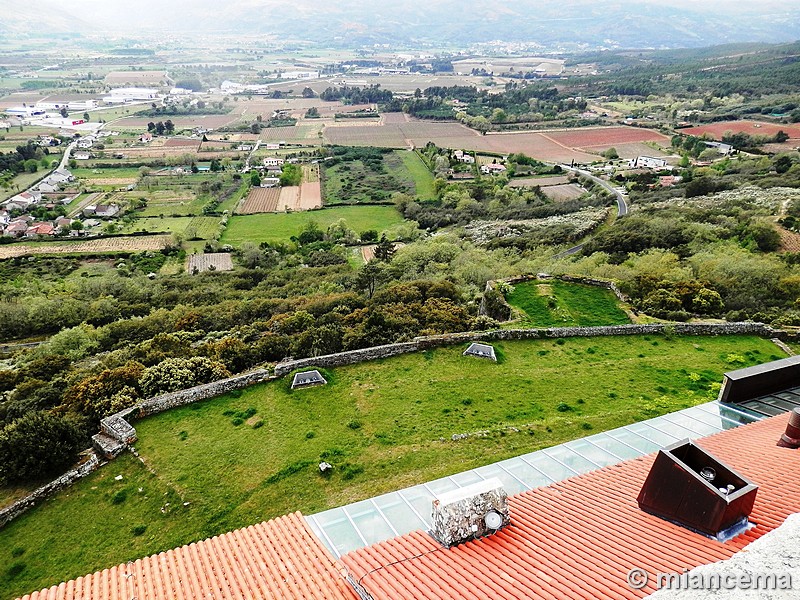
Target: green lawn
column 279, row 227
column 383, row 425
column 557, row 303
column 423, row 179
column 204, row 227
column 123, row 173
column 171, row 205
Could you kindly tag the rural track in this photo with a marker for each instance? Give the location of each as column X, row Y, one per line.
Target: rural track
column 622, row 205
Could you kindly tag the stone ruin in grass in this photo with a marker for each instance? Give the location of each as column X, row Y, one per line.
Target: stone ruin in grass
column 308, row 379
column 481, row 351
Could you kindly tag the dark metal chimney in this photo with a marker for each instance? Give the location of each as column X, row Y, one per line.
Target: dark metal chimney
column 689, row 486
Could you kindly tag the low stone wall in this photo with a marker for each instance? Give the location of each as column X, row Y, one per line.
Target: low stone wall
column 164, row 402
column 424, row 343
column 347, row 358
column 20, row 506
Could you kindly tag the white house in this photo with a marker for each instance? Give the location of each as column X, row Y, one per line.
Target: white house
column 464, row 157
column 493, row 169
column 82, row 155
column 272, row 162
column 647, row 162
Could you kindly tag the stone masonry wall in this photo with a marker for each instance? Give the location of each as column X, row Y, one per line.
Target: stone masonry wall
column 20, row 506
column 424, row 343
column 164, row 402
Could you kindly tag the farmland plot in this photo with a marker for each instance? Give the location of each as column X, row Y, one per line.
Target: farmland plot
column 216, row 261
column 717, row 130
column 289, row 199
column 562, row 193
column 116, row 244
column 310, row 196
column 590, row 137
column 260, row 200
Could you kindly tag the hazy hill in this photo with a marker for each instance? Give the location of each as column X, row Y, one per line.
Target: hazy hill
column 627, row 23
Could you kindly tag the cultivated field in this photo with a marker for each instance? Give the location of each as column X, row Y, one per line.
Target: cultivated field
column 115, row 244
column 591, row 137
column 383, row 425
column 216, row 261
column 551, row 146
column 631, row 150
column 310, row 196
column 717, row 130
column 289, row 199
column 260, row 200
column 181, row 143
column 790, row 241
column 169, row 203
column 193, row 227
column 562, row 193
column 182, row 122
column 540, row 181
column 279, row 227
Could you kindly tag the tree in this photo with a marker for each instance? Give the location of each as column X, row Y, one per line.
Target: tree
column 107, row 392
column 370, row 235
column 312, row 113
column 151, row 126
column 255, row 179
column 169, row 126
column 310, row 233
column 369, row 276
column 384, row 250
column 611, row 154
column 160, row 128
column 781, row 137
column 255, row 128
column 180, row 373
column 86, row 116
column 38, row 444
column 308, row 92
column 31, row 165
column 64, row 112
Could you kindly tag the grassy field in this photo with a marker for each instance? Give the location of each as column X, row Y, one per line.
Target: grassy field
column 121, row 173
column 356, row 181
column 169, row 205
column 210, row 467
column 204, row 227
column 423, row 179
column 556, row 303
column 280, row 227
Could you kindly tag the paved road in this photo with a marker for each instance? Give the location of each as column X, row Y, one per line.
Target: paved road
column 622, row 205
column 67, row 152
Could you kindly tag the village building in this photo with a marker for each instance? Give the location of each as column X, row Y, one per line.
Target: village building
column 647, row 162
column 493, row 169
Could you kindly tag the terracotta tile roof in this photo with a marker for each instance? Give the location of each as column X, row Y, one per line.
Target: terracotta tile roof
column 277, row 559
column 579, row 538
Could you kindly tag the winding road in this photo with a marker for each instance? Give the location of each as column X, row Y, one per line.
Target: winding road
column 622, row 205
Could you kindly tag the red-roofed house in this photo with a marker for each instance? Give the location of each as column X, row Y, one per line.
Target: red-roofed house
column 40, row 229
column 277, row 559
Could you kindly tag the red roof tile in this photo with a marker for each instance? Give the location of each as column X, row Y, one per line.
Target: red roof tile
column 579, row 538
column 278, row 559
